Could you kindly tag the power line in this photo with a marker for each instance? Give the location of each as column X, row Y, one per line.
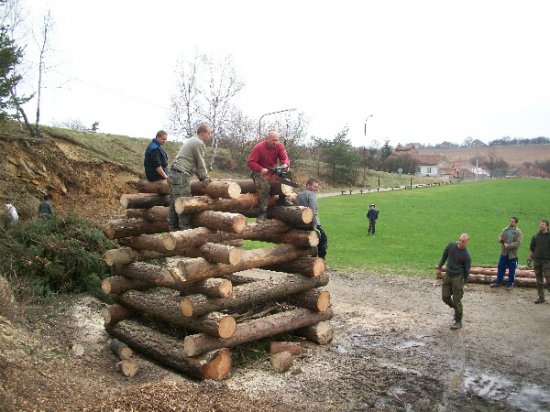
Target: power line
column 109, row 90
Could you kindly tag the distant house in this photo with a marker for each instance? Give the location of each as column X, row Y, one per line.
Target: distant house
column 430, row 165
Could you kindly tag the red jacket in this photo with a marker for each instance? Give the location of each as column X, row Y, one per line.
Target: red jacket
column 262, row 156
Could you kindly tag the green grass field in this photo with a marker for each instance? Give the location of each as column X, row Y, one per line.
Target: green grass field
column 415, row 225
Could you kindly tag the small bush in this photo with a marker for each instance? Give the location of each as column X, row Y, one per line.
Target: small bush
column 60, row 255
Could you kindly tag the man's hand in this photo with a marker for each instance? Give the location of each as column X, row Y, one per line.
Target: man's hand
column 264, row 171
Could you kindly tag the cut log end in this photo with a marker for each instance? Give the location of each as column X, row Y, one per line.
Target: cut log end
column 106, row 315
column 239, row 224
column 227, row 327
column 234, row 190
column 219, row 367
column 106, row 286
column 235, row 256
column 226, row 288
column 319, row 267
column 282, row 361
column 307, row 216
column 323, row 301
column 169, row 242
column 128, row 367
column 186, row 306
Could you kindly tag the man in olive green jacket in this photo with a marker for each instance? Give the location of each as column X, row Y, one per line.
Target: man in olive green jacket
column 510, row 239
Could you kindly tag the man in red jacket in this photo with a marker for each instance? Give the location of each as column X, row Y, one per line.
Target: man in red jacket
column 264, row 156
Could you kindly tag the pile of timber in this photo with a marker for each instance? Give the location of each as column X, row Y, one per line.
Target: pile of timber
column 212, row 295
column 488, row 274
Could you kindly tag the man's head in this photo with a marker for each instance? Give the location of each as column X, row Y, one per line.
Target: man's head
column 272, row 138
column 312, row 184
column 161, row 137
column 544, row 226
column 513, row 221
column 204, row 132
column 463, row 241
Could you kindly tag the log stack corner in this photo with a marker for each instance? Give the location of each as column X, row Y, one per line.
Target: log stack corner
column 220, row 295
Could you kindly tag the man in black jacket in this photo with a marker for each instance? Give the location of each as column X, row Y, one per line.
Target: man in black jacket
column 540, row 252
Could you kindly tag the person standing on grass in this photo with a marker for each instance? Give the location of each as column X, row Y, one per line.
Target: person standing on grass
column 372, row 215
column 510, row 239
column 456, row 274
column 155, row 160
column 540, row 252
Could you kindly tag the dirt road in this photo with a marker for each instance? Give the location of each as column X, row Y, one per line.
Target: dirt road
column 393, row 350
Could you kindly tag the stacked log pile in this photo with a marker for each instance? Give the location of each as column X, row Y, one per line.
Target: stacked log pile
column 212, row 295
column 488, row 274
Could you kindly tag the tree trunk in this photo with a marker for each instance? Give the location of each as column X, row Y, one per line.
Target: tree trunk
column 214, row 365
column 259, row 231
column 250, row 293
column 160, row 187
column 227, row 189
column 198, row 204
column 118, row 284
column 183, row 239
column 127, row 255
column 116, row 229
column 313, row 299
column 153, row 214
column 153, row 275
column 248, row 186
column 115, row 313
column 487, row 279
column 143, row 200
column 165, row 307
column 120, row 349
column 231, row 222
column 307, row 265
column 149, row 242
column 256, row 329
column 193, row 270
column 294, row 215
column 128, row 367
column 282, row 361
column 320, row 333
column 293, row 348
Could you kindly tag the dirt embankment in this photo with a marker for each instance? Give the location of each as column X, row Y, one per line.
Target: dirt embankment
column 79, row 180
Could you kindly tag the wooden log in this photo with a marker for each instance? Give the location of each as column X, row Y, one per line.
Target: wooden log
column 193, row 270
column 118, row 228
column 248, row 186
column 256, row 329
column 258, row 231
column 217, row 253
column 298, row 238
column 120, row 349
column 477, row 270
column 183, row 239
column 282, row 361
column 296, row 215
column 250, row 293
column 143, row 200
column 128, row 367
column 160, row 187
column 165, row 307
column 294, row 348
column 320, row 333
column 153, row 214
column 214, row 365
column 231, row 222
column 118, row 284
column 127, row 255
column 197, row 204
column 149, row 242
column 487, row 279
column 115, row 313
column 235, row 243
column 306, row 265
column 314, row 299
column 152, row 275
column 227, row 189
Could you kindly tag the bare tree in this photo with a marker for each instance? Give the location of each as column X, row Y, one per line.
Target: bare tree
column 293, row 130
column 43, row 47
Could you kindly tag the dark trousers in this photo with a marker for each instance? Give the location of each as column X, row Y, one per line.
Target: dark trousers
column 506, row 263
column 323, row 243
column 452, row 292
column 372, row 226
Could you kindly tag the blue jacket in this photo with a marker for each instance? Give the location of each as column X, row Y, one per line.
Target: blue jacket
column 155, row 156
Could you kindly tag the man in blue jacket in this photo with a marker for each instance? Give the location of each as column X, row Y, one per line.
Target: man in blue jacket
column 156, row 159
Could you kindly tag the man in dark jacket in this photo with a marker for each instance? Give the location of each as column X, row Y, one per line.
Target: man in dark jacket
column 45, row 208
column 372, row 215
column 456, row 274
column 156, row 159
column 540, row 252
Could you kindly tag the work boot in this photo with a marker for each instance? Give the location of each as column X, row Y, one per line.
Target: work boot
column 262, row 216
column 456, row 325
column 510, row 287
column 495, row 285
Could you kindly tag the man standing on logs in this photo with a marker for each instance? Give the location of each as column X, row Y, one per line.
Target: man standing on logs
column 509, row 239
column 540, row 252
column 189, row 161
column 458, row 269
column 156, row 159
column 264, row 156
column 308, row 198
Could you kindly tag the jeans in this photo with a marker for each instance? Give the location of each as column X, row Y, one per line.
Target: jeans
column 511, row 264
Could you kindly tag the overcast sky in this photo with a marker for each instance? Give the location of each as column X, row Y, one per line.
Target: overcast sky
column 427, row 71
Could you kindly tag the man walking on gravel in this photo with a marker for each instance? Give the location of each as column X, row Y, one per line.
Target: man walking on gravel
column 540, row 252
column 456, row 274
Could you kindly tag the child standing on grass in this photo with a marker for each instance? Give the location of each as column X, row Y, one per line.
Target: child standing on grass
column 372, row 215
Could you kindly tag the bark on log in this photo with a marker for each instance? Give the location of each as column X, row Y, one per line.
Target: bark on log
column 166, row 308
column 294, row 348
column 152, row 275
column 250, row 293
column 143, row 200
column 118, row 284
column 118, row 228
column 160, row 187
column 193, row 270
column 307, row 265
column 128, row 367
column 227, row 189
column 320, row 333
column 256, row 329
column 487, row 279
column 296, row 215
column 479, row 270
column 154, row 214
column 314, row 299
column 188, row 238
column 197, row 204
column 282, row 361
column 127, row 255
column 214, row 365
column 258, row 231
column 120, row 349
column 230, row 222
column 115, row 313
column 246, row 186
column 145, row 242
